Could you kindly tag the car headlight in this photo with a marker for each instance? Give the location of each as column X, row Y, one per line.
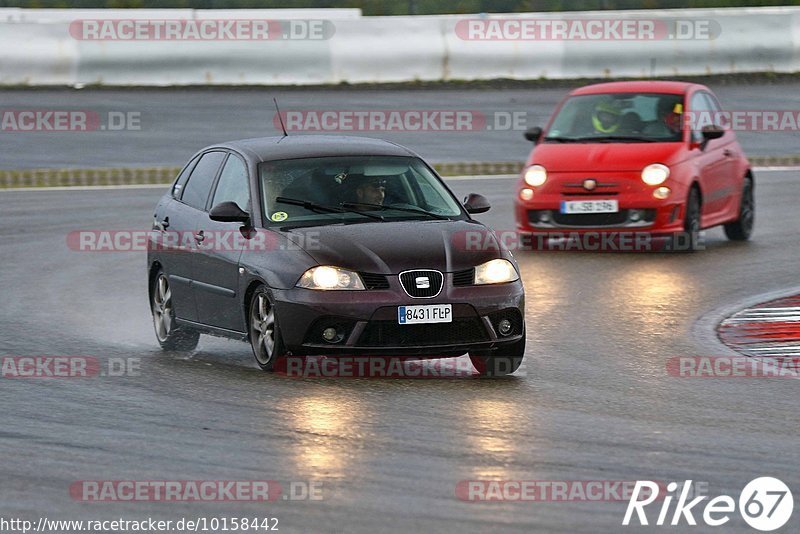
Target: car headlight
column 655, row 174
column 330, row 278
column 496, row 271
column 535, row 176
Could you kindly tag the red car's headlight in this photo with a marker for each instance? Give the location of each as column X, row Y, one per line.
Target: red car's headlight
column 655, row 174
column 535, row 175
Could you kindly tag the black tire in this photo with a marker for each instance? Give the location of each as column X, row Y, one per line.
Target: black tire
column 501, row 361
column 264, row 332
column 170, row 335
column 689, row 239
column 742, row 228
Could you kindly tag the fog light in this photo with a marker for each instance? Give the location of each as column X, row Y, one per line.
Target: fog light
column 526, row 194
column 662, row 193
column 331, row 335
column 505, row 327
column 544, row 216
column 635, row 215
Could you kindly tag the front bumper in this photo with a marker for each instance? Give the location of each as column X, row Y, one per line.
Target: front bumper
column 639, row 211
column 369, row 325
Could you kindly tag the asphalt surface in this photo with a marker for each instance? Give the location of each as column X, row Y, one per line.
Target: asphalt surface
column 593, row 400
column 175, row 123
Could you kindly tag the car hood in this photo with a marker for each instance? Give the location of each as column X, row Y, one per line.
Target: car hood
column 611, row 157
column 393, row 247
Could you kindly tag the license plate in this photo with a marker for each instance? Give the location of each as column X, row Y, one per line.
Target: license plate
column 438, row 313
column 589, row 206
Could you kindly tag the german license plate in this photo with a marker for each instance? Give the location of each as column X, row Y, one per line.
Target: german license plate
column 437, row 313
column 569, row 207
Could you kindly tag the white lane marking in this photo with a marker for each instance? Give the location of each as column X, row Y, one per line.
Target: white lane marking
column 480, row 177
column 776, row 169
column 88, row 187
column 508, row 176
column 752, row 315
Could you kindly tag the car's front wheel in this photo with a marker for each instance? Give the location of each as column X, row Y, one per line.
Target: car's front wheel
column 742, row 228
column 501, row 361
column 265, row 334
column 170, row 335
column 689, row 239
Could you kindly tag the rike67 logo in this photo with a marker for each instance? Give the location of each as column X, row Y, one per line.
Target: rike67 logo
column 765, row 504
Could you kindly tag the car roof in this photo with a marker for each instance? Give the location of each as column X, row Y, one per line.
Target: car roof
column 647, row 86
column 314, row 146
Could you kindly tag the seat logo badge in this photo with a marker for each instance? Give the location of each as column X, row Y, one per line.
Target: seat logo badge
column 590, row 184
column 423, row 282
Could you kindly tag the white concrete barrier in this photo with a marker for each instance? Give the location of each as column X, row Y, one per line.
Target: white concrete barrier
column 37, row 54
column 39, row 49
column 16, row 14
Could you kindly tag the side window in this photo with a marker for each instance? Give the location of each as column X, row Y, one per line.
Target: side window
column 196, row 191
column 712, row 102
column 233, row 185
column 702, row 113
column 177, row 188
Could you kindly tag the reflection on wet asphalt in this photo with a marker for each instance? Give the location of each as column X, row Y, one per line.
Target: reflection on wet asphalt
column 593, row 400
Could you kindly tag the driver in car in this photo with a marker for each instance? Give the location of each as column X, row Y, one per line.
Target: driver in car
column 370, row 190
column 606, row 118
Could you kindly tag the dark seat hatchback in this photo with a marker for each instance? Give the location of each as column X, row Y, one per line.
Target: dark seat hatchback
column 331, row 245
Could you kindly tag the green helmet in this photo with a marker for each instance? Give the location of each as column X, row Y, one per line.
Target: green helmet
column 605, row 117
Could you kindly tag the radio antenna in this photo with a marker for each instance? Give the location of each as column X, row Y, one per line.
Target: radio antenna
column 280, row 117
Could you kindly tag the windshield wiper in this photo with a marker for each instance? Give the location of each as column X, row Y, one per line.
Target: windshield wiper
column 565, row 139
column 390, row 207
column 313, row 206
column 629, row 138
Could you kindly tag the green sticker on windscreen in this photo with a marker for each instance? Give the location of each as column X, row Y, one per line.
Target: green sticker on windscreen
column 279, row 216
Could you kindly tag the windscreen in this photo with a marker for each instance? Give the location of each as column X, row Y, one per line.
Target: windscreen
column 336, row 189
column 627, row 117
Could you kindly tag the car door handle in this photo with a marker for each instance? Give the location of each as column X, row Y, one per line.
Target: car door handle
column 199, row 237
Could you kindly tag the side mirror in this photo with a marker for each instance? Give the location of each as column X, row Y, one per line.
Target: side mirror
column 228, row 212
column 709, row 133
column 712, row 132
column 475, row 203
column 533, row 134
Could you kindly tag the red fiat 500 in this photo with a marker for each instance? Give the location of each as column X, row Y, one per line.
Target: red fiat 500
column 638, row 158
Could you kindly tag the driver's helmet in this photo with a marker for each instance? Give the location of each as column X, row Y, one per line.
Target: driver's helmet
column 606, row 117
column 673, row 118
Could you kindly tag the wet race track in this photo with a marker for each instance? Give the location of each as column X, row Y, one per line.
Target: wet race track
column 593, row 401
